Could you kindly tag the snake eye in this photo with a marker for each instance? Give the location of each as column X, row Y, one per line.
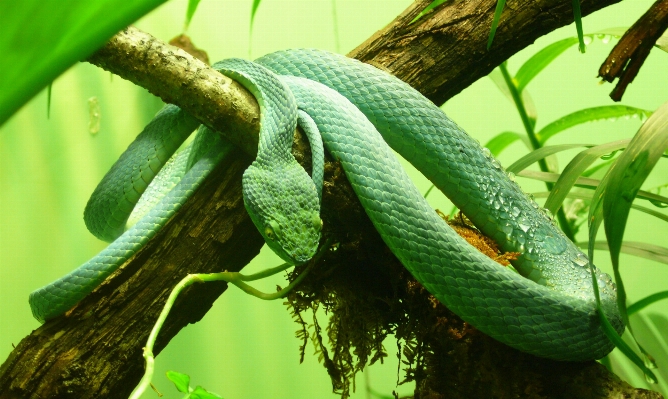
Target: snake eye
column 272, row 230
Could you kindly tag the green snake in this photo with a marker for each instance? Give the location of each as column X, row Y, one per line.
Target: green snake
column 548, row 309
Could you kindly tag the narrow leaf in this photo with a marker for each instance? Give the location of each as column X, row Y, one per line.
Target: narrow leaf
column 500, row 82
column 587, row 196
column 428, row 9
column 48, row 100
column 192, row 7
column 181, row 381
column 626, row 178
column 575, row 168
column 495, row 22
column 201, row 393
column 502, row 140
column 610, row 112
column 588, row 183
column 639, row 249
column 536, row 155
column 578, row 24
column 67, row 32
column 540, row 60
column 256, row 4
column 643, row 303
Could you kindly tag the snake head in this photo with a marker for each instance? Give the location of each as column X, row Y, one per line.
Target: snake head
column 284, row 206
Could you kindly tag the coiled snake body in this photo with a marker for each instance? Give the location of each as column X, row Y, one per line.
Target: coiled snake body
column 550, row 312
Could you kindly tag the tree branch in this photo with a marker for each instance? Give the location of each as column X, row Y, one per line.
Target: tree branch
column 98, row 351
column 632, row 49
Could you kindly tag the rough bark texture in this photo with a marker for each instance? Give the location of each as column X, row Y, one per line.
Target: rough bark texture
column 632, row 49
column 95, row 349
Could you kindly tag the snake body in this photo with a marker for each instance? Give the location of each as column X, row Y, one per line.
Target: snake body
column 550, row 312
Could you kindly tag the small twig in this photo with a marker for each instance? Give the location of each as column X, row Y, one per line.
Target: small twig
column 235, row 278
column 630, row 53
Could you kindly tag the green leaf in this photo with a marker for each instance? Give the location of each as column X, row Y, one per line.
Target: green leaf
column 534, row 65
column 578, row 24
column 591, row 114
column 502, row 140
column 583, row 195
column 603, row 165
column 575, row 168
column 192, row 7
column 428, row 9
column 256, row 4
column 529, row 107
column 536, row 155
column 181, row 381
column 588, row 183
column 646, row 301
column 49, row 88
column 639, row 249
column 626, row 178
column 540, row 60
column 61, row 33
column 495, row 22
column 201, row 393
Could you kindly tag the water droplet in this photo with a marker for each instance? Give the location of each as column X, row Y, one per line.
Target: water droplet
column 515, row 211
column 511, row 176
column 508, row 229
column 587, row 40
column 581, row 260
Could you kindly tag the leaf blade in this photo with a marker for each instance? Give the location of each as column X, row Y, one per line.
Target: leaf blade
column 60, row 36
column 590, row 115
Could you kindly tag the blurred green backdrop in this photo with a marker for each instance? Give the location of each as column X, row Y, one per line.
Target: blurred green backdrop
column 246, row 347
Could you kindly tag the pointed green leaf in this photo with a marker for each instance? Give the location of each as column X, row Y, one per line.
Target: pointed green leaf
column 48, row 100
column 502, row 140
column 574, row 169
column 603, row 165
column 256, row 4
column 192, row 7
column 529, row 107
column 201, row 393
column 495, row 22
column 577, row 15
column 61, row 34
column 639, row 249
column 181, row 381
column 626, row 177
column 540, row 60
column 611, row 112
column 428, row 9
column 588, row 183
column 647, row 301
column 587, row 196
column 536, row 155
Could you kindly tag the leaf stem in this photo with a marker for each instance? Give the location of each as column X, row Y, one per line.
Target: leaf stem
column 535, row 143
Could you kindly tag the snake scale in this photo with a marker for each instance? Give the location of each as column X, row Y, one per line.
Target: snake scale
column 548, row 309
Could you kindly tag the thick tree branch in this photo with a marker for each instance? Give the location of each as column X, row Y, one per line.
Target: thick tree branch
column 98, row 351
column 632, row 49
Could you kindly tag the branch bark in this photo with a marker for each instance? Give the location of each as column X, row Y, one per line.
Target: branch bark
column 632, row 49
column 98, row 351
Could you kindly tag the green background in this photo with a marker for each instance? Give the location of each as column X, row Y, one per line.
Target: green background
column 246, row 347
